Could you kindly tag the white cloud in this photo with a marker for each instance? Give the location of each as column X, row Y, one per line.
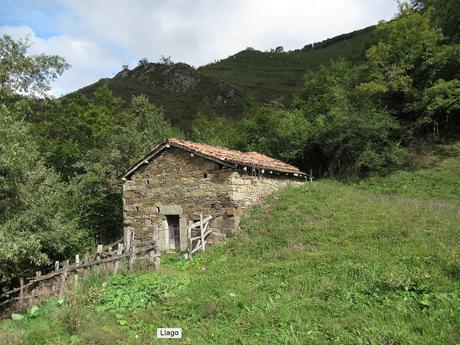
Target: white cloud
column 99, row 36
column 200, row 31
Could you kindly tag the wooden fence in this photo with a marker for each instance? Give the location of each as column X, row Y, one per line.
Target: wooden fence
column 198, row 242
column 54, row 283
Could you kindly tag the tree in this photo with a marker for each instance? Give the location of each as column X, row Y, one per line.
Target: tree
column 143, row 62
column 409, row 65
column 35, row 225
column 445, row 14
column 350, row 133
column 215, row 130
column 275, row 131
column 23, row 74
column 166, row 60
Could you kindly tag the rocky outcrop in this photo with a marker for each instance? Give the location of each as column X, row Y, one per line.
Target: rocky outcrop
column 178, row 78
column 221, row 94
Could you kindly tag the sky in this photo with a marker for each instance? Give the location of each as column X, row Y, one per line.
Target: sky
column 98, row 37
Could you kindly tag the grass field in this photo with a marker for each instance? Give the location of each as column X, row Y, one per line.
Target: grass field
column 324, row 263
column 437, row 177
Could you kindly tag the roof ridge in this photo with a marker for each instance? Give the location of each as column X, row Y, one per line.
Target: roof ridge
column 229, row 157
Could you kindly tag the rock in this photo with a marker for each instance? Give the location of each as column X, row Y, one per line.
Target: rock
column 177, row 78
column 17, row 317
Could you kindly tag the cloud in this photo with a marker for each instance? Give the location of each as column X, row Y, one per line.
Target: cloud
column 199, row 31
column 99, row 36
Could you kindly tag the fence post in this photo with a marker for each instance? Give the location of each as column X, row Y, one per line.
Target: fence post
column 128, row 235
column 21, row 292
column 157, row 259
column 189, row 237
column 63, row 278
column 132, row 254
column 99, row 252
column 117, row 263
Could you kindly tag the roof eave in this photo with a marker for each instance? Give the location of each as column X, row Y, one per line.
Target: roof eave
column 229, row 163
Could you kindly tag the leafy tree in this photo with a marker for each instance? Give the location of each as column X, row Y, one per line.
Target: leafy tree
column 166, row 60
column 356, row 139
column 408, row 66
column 24, row 74
column 35, row 225
column 275, row 131
column 217, row 131
column 349, row 132
column 445, row 14
column 143, row 62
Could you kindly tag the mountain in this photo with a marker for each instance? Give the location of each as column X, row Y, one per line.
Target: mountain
column 227, row 86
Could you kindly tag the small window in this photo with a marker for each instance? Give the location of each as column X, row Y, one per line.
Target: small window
column 158, row 209
column 137, row 208
column 205, row 175
column 148, row 181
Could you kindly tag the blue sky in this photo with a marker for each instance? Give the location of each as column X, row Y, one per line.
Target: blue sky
column 97, row 36
column 41, row 16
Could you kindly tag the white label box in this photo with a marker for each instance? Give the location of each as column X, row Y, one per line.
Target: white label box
column 169, row 333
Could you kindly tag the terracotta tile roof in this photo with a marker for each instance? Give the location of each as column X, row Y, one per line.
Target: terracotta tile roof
column 225, row 156
column 250, row 159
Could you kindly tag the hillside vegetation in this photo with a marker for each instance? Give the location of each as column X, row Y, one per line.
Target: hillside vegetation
column 323, row 263
column 226, row 87
column 437, row 179
column 271, row 75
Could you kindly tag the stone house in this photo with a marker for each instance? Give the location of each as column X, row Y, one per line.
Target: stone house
column 179, row 180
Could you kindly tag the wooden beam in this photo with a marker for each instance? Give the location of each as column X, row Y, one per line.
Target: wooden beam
column 196, row 224
column 202, row 232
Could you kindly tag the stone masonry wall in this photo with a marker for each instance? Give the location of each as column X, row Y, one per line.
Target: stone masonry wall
column 177, row 183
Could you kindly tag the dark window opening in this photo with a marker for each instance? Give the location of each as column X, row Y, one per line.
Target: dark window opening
column 158, row 209
column 205, row 175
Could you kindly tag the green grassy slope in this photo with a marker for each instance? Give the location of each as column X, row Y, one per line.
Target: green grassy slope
column 324, row 263
column 439, row 180
column 269, row 75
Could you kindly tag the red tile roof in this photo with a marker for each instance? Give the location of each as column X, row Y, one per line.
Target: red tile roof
column 231, row 158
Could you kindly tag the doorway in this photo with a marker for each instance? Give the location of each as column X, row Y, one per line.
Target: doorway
column 174, row 232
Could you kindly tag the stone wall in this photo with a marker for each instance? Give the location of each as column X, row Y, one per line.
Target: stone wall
column 177, row 183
